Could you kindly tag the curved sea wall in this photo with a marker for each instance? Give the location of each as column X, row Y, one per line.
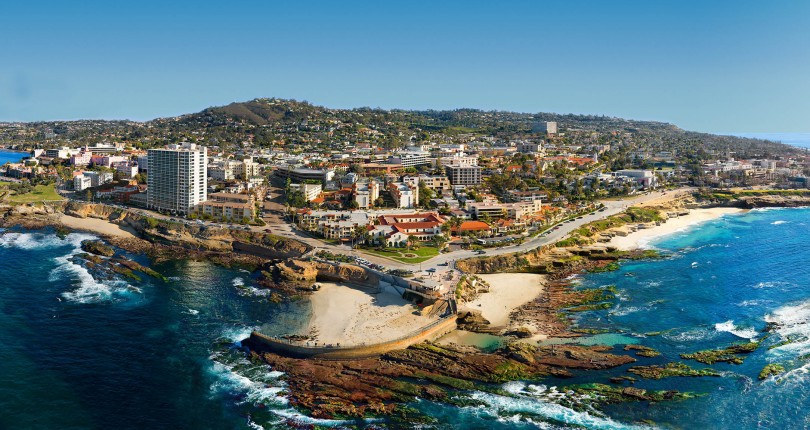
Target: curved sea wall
column 296, row 349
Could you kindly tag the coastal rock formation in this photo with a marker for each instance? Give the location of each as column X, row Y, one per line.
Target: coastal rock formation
column 191, row 236
column 380, row 385
column 308, row 272
column 97, row 247
column 474, row 321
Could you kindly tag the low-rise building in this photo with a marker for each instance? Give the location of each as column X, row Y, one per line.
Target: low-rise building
column 404, row 195
column 310, row 191
column 365, row 193
column 467, row 175
column 81, row 159
column 228, row 206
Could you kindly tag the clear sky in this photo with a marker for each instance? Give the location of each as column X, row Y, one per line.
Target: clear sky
column 729, row 66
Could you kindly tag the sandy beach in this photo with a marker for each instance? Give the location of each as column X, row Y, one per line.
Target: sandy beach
column 95, row 225
column 349, row 316
column 508, row 291
column 642, row 238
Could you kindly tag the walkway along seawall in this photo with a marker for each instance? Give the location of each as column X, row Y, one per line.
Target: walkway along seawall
column 430, row 332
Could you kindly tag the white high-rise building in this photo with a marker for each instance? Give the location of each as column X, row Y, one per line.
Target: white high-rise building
column 177, row 177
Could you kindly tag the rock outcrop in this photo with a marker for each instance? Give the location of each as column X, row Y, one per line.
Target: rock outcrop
column 381, row 385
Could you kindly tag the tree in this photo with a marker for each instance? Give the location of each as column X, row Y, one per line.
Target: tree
column 352, row 204
column 439, row 240
column 358, row 232
column 411, row 241
column 379, row 202
column 296, row 199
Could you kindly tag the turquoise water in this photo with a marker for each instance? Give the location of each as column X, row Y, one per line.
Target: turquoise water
column 11, row 157
column 78, row 352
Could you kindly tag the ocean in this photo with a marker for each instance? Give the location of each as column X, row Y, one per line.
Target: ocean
column 11, row 156
column 84, row 353
column 795, row 139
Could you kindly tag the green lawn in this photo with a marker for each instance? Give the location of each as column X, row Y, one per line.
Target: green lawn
column 422, row 253
column 39, row 194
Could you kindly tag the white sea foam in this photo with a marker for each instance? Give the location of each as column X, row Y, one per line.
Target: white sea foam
column 87, row 289
column 779, row 222
column 622, row 311
column 191, row 311
column 237, row 334
column 690, row 335
column 792, row 323
column 502, row 406
column 238, row 282
column 263, row 390
column 773, row 284
column 750, row 303
column 33, row 241
column 729, row 327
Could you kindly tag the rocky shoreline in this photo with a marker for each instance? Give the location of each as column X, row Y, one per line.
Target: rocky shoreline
column 381, row 386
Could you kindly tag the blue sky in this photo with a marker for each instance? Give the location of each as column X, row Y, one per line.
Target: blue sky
column 736, row 65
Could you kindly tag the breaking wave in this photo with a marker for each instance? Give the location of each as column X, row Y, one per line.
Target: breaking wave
column 729, row 327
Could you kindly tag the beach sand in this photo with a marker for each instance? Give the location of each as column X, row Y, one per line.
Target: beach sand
column 642, row 238
column 508, row 291
column 95, row 225
column 350, row 316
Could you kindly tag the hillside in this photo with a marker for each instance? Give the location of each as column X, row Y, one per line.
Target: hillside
column 290, row 124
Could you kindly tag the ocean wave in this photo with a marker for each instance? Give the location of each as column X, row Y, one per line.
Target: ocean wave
column 238, row 282
column 37, row 241
column 756, row 302
column 261, row 388
column 690, row 335
column 729, row 327
column 780, row 222
column 621, row 311
column 792, row 323
column 237, row 334
column 87, row 288
column 770, row 284
column 503, row 406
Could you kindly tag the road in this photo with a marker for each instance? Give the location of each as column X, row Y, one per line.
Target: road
column 278, row 225
column 612, row 207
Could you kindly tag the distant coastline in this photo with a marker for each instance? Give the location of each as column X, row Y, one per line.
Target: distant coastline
column 800, row 140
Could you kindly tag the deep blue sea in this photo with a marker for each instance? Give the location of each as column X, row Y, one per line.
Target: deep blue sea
column 78, row 352
column 11, row 156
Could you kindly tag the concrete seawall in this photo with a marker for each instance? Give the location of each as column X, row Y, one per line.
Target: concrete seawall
column 280, row 346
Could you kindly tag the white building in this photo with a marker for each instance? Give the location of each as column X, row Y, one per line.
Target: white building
column 177, row 177
column 310, row 191
column 81, row 159
column 410, row 158
column 549, row 127
column 81, row 183
column 365, row 193
column 404, row 195
column 459, row 160
column 529, row 147
column 127, row 170
column 63, row 152
column 645, row 178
